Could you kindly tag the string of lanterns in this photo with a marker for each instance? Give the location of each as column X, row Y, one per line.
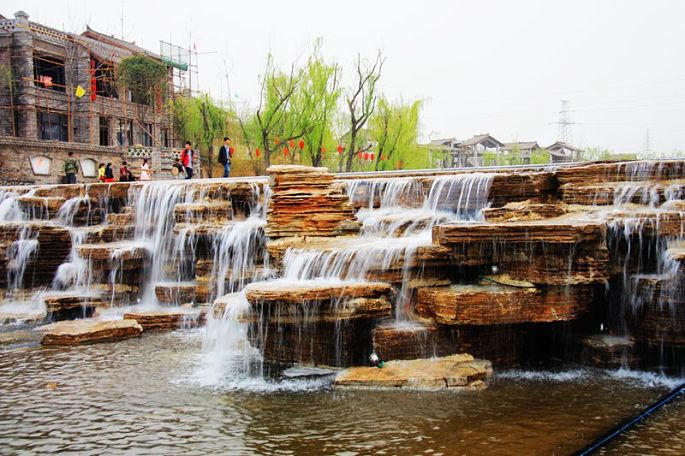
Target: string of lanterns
column 366, row 156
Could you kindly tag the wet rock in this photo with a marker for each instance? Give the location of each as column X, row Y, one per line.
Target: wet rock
column 298, row 302
column 639, row 170
column 606, row 193
column 76, row 332
column 61, row 301
column 524, row 210
column 450, row 372
column 161, row 320
column 21, row 318
column 605, row 351
column 181, row 293
column 498, row 304
column 41, row 207
column 203, row 211
column 411, row 340
column 555, row 231
column 303, row 372
column 305, row 203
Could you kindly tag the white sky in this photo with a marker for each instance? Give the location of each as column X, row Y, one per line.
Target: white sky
column 481, row 66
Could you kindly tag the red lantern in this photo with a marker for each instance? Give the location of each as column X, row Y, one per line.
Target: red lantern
column 359, row 155
column 340, row 149
column 366, row 155
column 292, row 143
column 301, row 144
column 371, row 156
column 285, row 151
column 256, row 151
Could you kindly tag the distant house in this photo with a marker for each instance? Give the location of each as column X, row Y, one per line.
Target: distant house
column 524, row 149
column 560, row 152
column 468, row 152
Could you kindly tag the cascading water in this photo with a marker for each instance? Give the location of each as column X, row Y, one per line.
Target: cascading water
column 393, row 231
column 20, row 252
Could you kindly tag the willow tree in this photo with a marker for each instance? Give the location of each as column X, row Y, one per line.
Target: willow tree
column 395, row 127
column 320, row 92
column 201, row 121
column 361, row 102
column 146, row 79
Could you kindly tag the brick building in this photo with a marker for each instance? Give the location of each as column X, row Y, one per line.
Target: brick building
column 45, row 112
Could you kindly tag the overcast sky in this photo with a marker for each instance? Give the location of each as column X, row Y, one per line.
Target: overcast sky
column 481, row 66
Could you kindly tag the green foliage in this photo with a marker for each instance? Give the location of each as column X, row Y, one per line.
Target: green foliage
column 540, row 157
column 200, row 121
column 145, row 77
column 395, row 128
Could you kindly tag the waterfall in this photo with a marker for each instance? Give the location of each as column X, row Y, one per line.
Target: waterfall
column 9, row 206
column 154, row 221
column 235, row 247
column 393, row 232
column 20, row 253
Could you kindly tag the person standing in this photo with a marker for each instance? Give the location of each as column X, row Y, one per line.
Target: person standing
column 225, row 155
column 187, row 158
column 145, row 172
column 71, row 168
column 101, row 172
column 109, row 174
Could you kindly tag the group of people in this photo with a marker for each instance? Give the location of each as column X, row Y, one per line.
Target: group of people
column 183, row 167
column 106, row 174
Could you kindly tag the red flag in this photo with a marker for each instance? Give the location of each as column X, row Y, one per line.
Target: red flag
column 340, row 149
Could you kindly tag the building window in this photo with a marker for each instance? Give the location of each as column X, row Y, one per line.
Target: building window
column 105, row 82
column 125, row 132
column 41, row 165
column 89, row 167
column 104, row 131
column 147, row 135
column 53, row 126
column 48, row 72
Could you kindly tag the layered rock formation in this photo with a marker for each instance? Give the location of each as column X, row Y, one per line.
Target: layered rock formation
column 304, row 202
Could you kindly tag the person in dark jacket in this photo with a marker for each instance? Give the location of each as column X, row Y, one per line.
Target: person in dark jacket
column 109, row 174
column 225, row 154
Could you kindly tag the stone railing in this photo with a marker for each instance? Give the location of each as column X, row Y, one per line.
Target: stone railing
column 139, row 152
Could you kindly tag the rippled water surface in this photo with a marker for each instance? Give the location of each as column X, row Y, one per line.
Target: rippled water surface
column 140, row 397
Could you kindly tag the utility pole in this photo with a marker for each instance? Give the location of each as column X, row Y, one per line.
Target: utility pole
column 565, row 134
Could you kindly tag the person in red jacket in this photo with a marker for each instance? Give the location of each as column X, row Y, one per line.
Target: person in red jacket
column 188, row 159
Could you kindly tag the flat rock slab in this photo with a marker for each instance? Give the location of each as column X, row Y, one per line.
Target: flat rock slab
column 123, row 251
column 552, row 231
column 450, row 372
column 76, row 332
column 302, row 372
column 498, row 304
column 166, row 319
column 64, row 301
column 295, row 302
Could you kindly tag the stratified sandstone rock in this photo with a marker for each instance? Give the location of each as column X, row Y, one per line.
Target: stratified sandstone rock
column 305, row 203
column 411, row 340
column 167, row 319
column 456, row 371
column 607, row 351
column 203, row 211
column 180, row 293
column 53, row 248
column 641, row 170
column 555, row 231
column 498, row 304
column 606, row 193
column 300, row 302
column 60, row 301
column 659, row 319
column 41, row 207
column 642, row 223
column 524, row 210
column 88, row 331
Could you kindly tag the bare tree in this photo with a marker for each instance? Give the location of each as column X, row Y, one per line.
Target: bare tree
column 361, row 102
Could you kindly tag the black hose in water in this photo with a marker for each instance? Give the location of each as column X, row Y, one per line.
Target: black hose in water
column 629, row 423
